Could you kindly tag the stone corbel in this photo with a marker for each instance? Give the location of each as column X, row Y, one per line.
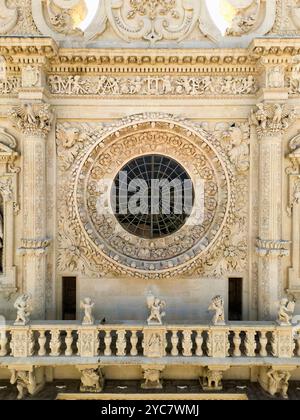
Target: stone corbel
column 92, row 378
column 212, row 376
column 152, row 376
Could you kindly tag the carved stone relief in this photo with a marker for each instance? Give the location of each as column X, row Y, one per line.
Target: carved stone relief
column 152, row 85
column 93, row 242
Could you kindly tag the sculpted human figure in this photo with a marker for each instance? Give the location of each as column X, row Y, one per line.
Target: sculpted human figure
column 156, row 307
column 23, row 307
column 278, row 382
column 217, row 306
column 87, row 305
column 286, row 311
column 26, row 383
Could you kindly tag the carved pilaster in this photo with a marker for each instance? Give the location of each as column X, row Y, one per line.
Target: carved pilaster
column 294, row 212
column 271, row 122
column 34, row 122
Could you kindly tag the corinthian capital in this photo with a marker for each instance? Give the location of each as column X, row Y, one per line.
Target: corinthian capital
column 272, row 119
column 32, row 118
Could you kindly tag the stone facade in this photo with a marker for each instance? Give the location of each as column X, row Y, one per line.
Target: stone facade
column 78, row 101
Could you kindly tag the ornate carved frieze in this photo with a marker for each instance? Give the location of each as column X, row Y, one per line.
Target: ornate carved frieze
column 10, row 85
column 152, row 85
column 32, row 119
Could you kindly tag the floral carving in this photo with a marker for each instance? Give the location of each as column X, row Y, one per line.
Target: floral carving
column 244, row 16
column 152, row 8
column 153, row 20
column 272, row 118
column 32, row 118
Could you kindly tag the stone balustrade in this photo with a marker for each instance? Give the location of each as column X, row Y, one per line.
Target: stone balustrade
column 130, row 340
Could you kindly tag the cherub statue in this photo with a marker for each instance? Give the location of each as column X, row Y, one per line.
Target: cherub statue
column 156, row 307
column 87, row 305
column 23, row 307
column 286, row 311
column 217, row 306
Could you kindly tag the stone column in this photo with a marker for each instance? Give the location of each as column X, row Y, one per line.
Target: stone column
column 34, row 122
column 271, row 121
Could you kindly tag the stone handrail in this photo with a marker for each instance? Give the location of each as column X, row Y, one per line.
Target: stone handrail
column 71, row 339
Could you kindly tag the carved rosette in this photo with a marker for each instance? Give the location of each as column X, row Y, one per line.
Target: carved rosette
column 195, row 152
column 32, row 119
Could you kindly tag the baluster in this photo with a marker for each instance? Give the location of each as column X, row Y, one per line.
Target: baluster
column 69, row 342
column 55, row 343
column 134, row 342
column 199, row 343
column 174, row 341
column 3, row 343
column 274, row 344
column 250, row 344
column 187, row 343
column 42, row 343
column 107, row 341
column 228, row 348
column 298, row 344
column 31, row 344
column 121, row 343
column 237, row 341
column 263, row 339
column 208, row 345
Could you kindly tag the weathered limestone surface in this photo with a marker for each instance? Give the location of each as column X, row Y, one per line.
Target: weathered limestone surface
column 79, row 100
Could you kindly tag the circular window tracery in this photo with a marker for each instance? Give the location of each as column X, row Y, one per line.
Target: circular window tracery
column 106, row 159
column 153, row 196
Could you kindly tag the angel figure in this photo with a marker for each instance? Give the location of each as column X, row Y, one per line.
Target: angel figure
column 23, row 307
column 286, row 311
column 217, row 306
column 156, row 307
column 87, row 305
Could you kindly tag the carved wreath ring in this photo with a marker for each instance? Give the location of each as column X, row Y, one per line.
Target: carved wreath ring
column 197, row 151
